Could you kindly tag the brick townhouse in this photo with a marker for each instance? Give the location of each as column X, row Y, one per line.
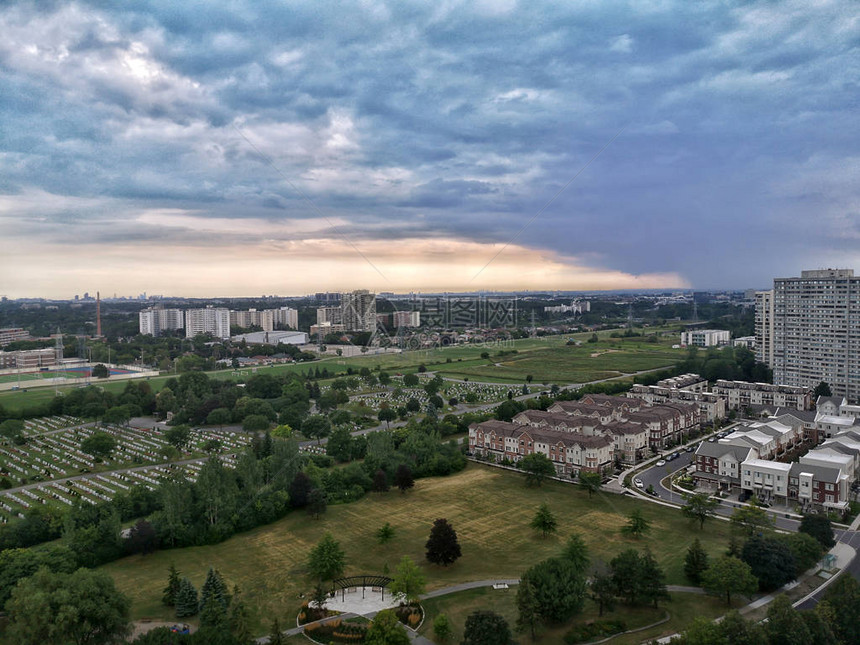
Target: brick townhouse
column 570, row 452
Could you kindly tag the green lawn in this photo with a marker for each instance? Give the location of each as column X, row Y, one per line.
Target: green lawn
column 490, row 508
column 682, row 608
column 548, row 359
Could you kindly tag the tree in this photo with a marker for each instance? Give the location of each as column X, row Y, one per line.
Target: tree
column 805, row 549
column 387, row 415
column 695, row 562
column 385, row 533
column 576, row 552
column 624, row 569
column 485, row 627
column 211, row 446
column 544, row 521
column 168, row 597
column 410, row 380
column 276, row 636
column 413, row 405
column 822, row 389
column 771, row 561
column 784, row 624
column 316, row 427
column 442, row 545
column 819, row 527
column 843, row 599
column 537, row 467
column 255, row 423
column 602, row 592
column 142, row 538
column 559, row 589
column 636, row 525
column 317, row 503
column 751, row 519
column 327, row 559
column 117, row 415
column 300, row 490
column 178, row 436
column 699, row 507
column 528, row 609
column 590, row 482
column 380, row 482
column 239, row 618
column 99, row 444
column 53, row 608
column 214, row 590
column 220, row 417
column 736, row 630
column 442, row 628
column 186, row 599
column 386, row 630
column 403, row 478
column 100, row 371
column 653, row 580
column 408, row 580
column 728, row 575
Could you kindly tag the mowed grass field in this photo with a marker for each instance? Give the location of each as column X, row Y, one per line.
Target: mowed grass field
column 681, row 608
column 548, row 359
column 490, row 509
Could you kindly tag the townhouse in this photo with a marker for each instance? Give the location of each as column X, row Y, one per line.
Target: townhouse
column 741, row 394
column 718, row 465
column 570, row 452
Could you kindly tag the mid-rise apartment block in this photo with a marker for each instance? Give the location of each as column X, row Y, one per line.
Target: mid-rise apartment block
column 741, row 394
column 705, row 337
column 11, row 334
column 207, row 321
column 815, row 330
column 406, row 319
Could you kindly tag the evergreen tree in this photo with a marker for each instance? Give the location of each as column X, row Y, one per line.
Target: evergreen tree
column 186, row 599
column 327, row 559
column 239, row 618
column 442, row 545
column 602, row 592
column 442, row 628
column 695, row 562
column 576, row 552
column 317, row 503
column 214, row 590
column 653, row 580
column 544, row 521
column 275, row 635
column 172, row 588
column 636, row 525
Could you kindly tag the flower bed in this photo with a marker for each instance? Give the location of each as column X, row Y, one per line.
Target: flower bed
column 591, row 631
column 308, row 614
column 337, row 631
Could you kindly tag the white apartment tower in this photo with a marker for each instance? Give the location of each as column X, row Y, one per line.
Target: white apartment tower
column 207, row 321
column 816, row 331
column 155, row 320
column 764, row 327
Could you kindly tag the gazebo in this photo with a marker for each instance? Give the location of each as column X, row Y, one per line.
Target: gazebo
column 351, row 584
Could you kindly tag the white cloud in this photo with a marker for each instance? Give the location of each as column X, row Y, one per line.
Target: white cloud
column 622, row 44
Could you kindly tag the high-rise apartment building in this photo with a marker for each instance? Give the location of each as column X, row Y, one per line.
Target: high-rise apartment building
column 155, row 320
column 764, row 327
column 329, row 316
column 816, row 330
column 207, row 321
column 358, row 310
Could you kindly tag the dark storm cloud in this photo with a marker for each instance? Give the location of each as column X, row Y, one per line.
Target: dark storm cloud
column 457, row 120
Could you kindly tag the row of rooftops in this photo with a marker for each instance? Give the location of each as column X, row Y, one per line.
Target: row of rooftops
column 545, row 435
column 766, row 387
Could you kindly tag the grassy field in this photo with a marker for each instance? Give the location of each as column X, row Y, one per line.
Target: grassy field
column 548, row 359
column 680, row 608
column 490, row 509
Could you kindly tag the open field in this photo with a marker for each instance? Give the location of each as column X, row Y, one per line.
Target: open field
column 548, row 359
column 682, row 607
column 490, row 508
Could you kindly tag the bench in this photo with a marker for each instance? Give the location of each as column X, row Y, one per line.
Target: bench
column 500, row 585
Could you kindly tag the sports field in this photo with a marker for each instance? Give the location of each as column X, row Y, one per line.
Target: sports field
column 489, row 508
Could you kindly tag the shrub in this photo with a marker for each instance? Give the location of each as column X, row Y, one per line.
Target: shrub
column 592, row 631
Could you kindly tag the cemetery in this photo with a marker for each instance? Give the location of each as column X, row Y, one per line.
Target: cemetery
column 51, row 467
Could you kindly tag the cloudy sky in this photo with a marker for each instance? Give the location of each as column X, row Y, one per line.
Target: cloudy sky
column 253, row 146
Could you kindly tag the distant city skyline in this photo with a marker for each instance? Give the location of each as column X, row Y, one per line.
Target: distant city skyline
column 236, row 149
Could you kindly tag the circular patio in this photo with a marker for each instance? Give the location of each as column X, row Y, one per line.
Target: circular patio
column 361, row 595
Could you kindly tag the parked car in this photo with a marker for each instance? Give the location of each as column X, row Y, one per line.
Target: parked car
column 662, row 462
column 638, row 483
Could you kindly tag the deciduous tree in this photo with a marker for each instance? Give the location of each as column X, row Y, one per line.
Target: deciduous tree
column 590, row 482
column 699, row 507
column 537, row 467
column 559, row 589
column 485, row 627
column 386, row 630
column 327, row 559
column 728, row 575
column 408, row 580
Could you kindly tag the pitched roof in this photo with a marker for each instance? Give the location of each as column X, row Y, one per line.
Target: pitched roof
column 719, row 450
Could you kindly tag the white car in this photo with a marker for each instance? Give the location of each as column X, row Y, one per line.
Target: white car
column 638, row 483
column 662, row 462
